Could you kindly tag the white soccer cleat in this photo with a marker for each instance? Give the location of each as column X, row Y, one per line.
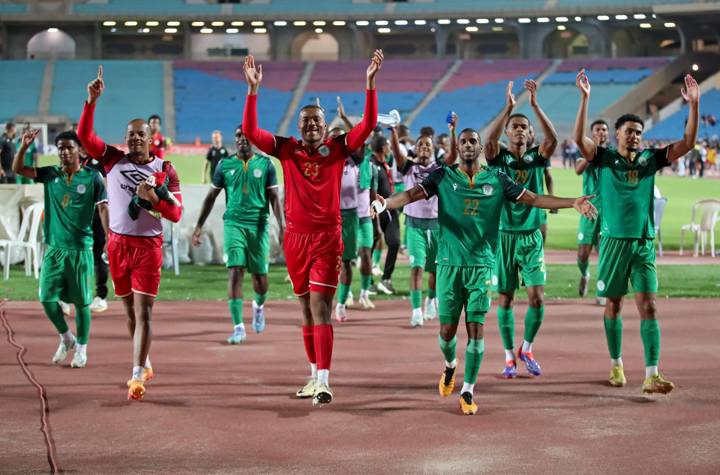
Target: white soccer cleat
column 258, row 321
column 416, row 320
column 62, row 351
column 430, row 309
column 308, row 390
column 79, row 360
column 340, row 313
column 366, row 303
column 349, row 301
column 98, row 305
column 64, row 307
column 376, row 271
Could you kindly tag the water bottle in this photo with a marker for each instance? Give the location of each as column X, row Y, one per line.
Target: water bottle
column 451, row 115
column 391, row 119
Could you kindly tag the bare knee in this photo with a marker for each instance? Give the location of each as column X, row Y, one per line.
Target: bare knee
column 505, row 300
column 613, row 307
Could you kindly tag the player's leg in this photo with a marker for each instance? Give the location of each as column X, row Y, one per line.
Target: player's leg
column 451, row 297
column 531, row 259
column 343, row 290
column 583, row 263
column 79, row 281
column 260, row 290
column 52, row 284
column 365, row 242
column 350, row 226
column 476, row 281
column 391, row 230
column 236, row 275
column 505, row 280
column 643, row 277
column 416, row 244
column 309, row 342
column 258, row 259
column 431, row 303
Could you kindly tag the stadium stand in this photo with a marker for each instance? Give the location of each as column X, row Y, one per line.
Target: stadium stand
column 11, row 8
column 20, row 87
column 671, row 127
column 133, row 89
column 211, row 95
column 142, row 7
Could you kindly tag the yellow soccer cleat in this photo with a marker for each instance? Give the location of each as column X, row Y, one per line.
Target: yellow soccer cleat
column 136, row 389
column 467, row 405
column 657, row 384
column 307, row 391
column 447, row 382
column 617, row 377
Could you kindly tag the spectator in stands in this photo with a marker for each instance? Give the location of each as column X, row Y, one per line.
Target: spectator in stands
column 216, row 153
column 7, row 153
column 30, row 159
column 159, row 143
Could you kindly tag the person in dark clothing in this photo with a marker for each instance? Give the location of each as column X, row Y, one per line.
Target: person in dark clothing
column 389, row 222
column 7, row 153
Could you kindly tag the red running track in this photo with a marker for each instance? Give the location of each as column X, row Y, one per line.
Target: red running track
column 215, row 408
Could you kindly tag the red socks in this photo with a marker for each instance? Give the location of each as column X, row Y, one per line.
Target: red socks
column 308, row 332
column 323, row 338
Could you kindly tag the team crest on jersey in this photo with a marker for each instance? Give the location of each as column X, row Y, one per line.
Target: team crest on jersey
column 324, row 151
column 642, row 161
column 487, row 190
column 257, row 173
column 81, row 188
column 527, row 159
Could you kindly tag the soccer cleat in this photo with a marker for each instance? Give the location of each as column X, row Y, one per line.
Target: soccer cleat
column 583, row 287
column 533, row 367
column 366, row 303
column 237, row 337
column 657, row 384
column 447, row 382
column 98, row 305
column 430, row 310
column 136, row 389
column 617, row 377
column 79, row 360
column 148, row 374
column 340, row 313
column 62, row 351
column 376, row 271
column 308, row 390
column 510, row 370
column 349, row 301
column 64, row 307
column 323, row 394
column 258, row 320
column 386, row 287
column 372, row 290
column 416, row 319
column 600, row 301
column 467, row 405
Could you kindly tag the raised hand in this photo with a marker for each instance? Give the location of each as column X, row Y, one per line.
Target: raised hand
column 96, row 86
column 532, row 87
column 452, row 124
column 375, row 65
column 253, row 74
column 509, row 96
column 340, row 108
column 691, row 91
column 29, row 137
column 583, row 83
column 583, row 206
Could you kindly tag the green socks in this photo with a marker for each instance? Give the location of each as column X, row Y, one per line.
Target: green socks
column 259, row 298
column 473, row 358
column 506, row 325
column 650, row 334
column 416, row 299
column 533, row 320
column 365, row 282
column 448, row 348
column 376, row 256
column 54, row 313
column 613, row 334
column 343, row 291
column 236, row 310
column 82, row 324
column 584, row 267
column 431, row 293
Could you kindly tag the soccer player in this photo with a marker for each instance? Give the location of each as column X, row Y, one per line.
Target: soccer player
column 250, row 183
column 420, row 225
column 135, row 181
column 159, row 143
column 312, row 168
column 7, row 153
column 31, row 158
column 72, row 192
column 367, row 228
column 471, row 198
column 521, row 245
column 589, row 231
column 216, row 153
column 626, row 178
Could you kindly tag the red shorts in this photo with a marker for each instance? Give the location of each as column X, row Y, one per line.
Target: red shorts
column 134, row 268
column 313, row 260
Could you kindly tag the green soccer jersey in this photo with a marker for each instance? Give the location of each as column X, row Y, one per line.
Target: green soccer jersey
column 70, row 202
column 368, row 174
column 246, row 185
column 590, row 182
column 626, row 188
column 31, row 150
column 469, row 212
column 528, row 172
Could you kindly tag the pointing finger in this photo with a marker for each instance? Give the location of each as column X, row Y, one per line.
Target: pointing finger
column 100, row 71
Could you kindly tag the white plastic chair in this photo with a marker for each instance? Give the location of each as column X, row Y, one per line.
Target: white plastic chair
column 705, row 215
column 659, row 208
column 170, row 239
column 28, row 239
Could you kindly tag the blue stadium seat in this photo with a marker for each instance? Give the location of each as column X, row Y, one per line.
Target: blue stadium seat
column 142, row 6
column 672, row 127
column 20, row 86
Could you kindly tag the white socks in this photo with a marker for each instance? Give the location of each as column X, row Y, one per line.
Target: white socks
column 313, row 370
column 239, row 327
column 137, row 373
column 616, row 362
column 467, row 388
column 67, row 338
column 147, row 362
column 527, row 347
column 323, row 375
column 509, row 355
column 452, row 364
column 651, row 371
column 417, row 313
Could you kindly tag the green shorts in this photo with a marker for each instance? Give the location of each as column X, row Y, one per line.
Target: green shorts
column 588, row 231
column 422, row 247
column 459, row 287
column 247, row 247
column 23, row 180
column 621, row 260
column 399, row 186
column 519, row 253
column 350, row 225
column 67, row 275
column 365, row 233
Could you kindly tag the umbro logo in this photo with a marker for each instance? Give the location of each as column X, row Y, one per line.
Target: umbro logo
column 134, row 176
column 232, row 172
column 454, row 186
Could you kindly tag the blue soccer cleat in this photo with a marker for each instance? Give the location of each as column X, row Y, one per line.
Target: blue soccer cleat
column 510, row 370
column 258, row 321
column 533, row 367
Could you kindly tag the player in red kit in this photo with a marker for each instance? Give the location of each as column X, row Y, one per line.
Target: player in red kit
column 158, row 144
column 312, row 167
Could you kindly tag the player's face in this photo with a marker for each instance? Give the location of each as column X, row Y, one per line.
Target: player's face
column 424, row 149
column 600, row 134
column 154, row 125
column 217, row 139
column 241, row 142
column 518, row 130
column 470, row 146
column 312, row 125
column 629, row 135
column 69, row 153
column 138, row 137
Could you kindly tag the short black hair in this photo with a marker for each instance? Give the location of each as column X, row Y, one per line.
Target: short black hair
column 68, row 135
column 599, row 122
column 312, row 106
column 628, row 118
column 378, row 143
column 442, row 136
column 377, row 130
column 427, row 130
column 513, row 116
column 154, row 116
column 9, row 125
column 472, row 131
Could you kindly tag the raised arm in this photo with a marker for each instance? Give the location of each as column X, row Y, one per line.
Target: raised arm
column 397, row 200
column 398, row 154
column 361, row 131
column 342, row 115
column 585, row 144
column 205, row 210
column 93, row 144
column 492, row 143
column 205, row 167
column 550, row 138
column 691, row 93
column 18, row 164
column 451, row 157
column 262, row 139
column 581, row 165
